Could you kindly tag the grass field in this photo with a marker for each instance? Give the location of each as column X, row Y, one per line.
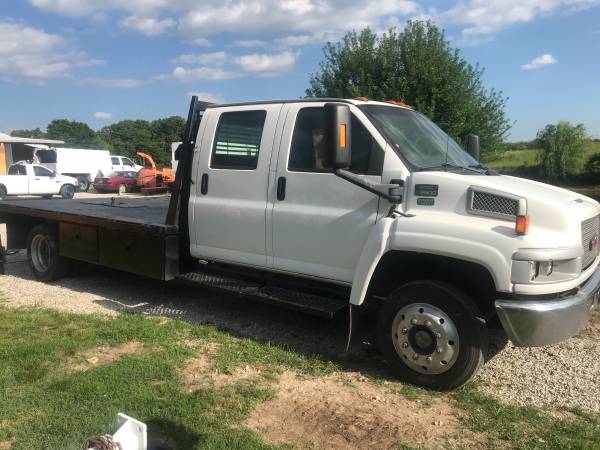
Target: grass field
column 63, row 377
column 523, row 163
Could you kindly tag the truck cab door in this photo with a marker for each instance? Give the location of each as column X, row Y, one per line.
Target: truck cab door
column 43, row 181
column 228, row 202
column 320, row 221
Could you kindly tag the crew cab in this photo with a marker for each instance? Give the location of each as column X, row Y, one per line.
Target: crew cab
column 33, row 179
column 334, row 205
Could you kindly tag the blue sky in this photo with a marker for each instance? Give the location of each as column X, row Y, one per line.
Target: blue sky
column 100, row 61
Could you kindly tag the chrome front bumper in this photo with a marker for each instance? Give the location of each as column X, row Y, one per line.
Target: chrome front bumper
column 535, row 323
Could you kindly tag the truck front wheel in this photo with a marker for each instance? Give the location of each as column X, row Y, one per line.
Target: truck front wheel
column 432, row 335
column 42, row 254
column 2, row 192
column 67, row 191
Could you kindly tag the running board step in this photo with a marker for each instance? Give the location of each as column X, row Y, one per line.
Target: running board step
column 289, row 298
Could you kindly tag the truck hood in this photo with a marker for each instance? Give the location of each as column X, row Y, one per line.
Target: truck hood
column 549, row 206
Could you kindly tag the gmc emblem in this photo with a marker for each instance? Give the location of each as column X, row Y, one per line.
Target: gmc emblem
column 593, row 243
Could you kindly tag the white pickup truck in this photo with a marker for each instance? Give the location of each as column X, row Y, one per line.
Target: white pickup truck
column 32, row 179
column 335, row 205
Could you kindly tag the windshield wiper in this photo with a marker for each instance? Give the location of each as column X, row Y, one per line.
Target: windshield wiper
column 448, row 166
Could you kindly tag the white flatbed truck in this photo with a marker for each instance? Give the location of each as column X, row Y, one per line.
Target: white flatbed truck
column 330, row 205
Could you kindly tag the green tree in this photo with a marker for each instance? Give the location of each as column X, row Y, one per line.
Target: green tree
column 562, row 147
column 35, row 133
column 75, row 134
column 130, row 136
column 418, row 66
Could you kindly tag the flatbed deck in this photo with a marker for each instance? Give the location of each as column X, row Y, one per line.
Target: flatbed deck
column 125, row 213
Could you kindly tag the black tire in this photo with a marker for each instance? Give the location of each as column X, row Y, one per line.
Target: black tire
column 465, row 319
column 83, row 183
column 2, row 193
column 42, row 254
column 67, row 191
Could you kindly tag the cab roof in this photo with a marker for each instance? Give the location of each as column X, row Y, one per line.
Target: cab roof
column 352, row 101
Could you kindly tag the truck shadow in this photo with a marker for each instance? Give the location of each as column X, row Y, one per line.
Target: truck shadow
column 109, row 290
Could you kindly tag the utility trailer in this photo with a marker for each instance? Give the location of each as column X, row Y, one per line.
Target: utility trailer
column 331, row 205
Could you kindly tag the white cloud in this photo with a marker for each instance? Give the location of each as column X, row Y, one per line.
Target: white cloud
column 540, row 61
column 121, row 83
column 250, row 43
column 182, row 75
column 268, row 65
column 29, row 54
column 480, row 17
column 199, row 19
column 216, row 58
column 149, row 26
column 201, row 42
column 207, row 97
column 103, row 115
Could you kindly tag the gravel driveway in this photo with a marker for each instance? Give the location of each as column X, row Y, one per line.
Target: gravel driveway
column 567, row 374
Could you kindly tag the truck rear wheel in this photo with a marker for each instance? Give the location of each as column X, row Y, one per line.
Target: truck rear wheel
column 432, row 335
column 83, row 183
column 42, row 254
column 2, row 192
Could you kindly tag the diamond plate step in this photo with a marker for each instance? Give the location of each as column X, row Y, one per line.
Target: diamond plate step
column 289, row 298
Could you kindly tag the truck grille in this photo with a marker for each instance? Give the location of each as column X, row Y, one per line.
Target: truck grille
column 494, row 204
column 589, row 240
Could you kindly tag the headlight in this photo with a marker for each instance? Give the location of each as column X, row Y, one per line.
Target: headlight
column 540, row 266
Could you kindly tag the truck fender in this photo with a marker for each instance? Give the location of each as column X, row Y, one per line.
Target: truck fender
column 383, row 239
column 375, row 247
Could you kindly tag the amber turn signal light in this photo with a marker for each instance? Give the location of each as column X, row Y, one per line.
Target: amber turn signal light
column 342, row 135
column 522, row 225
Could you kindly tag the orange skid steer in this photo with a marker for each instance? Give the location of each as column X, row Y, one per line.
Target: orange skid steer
column 154, row 180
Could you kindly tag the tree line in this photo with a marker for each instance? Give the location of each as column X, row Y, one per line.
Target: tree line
column 122, row 138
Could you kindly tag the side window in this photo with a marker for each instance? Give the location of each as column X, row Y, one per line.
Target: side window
column 307, row 153
column 237, row 140
column 14, row 170
column 127, row 162
column 40, row 171
column 114, row 161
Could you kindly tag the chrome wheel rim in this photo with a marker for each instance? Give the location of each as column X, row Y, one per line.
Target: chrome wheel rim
column 40, row 253
column 426, row 338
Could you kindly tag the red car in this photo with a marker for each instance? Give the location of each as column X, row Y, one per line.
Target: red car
column 121, row 182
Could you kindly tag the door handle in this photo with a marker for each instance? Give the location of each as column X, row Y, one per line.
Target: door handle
column 281, row 188
column 204, row 184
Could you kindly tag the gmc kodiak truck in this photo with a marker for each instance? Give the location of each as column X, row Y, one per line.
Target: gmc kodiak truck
column 329, row 205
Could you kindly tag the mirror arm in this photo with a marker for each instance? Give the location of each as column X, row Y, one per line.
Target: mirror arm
column 391, row 192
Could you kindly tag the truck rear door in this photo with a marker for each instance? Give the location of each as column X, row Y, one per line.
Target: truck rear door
column 320, row 221
column 228, row 201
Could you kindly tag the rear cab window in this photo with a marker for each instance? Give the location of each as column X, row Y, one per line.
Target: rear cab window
column 307, row 153
column 17, row 169
column 114, row 161
column 237, row 140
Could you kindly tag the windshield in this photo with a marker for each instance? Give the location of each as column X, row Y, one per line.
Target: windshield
column 417, row 139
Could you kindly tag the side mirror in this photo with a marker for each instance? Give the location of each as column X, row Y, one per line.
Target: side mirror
column 337, row 134
column 473, row 146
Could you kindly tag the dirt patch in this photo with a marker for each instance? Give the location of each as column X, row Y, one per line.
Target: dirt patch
column 198, row 372
column 100, row 356
column 324, row 413
column 593, row 326
column 5, row 445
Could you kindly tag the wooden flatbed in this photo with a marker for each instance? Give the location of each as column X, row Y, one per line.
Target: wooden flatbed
column 125, row 233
